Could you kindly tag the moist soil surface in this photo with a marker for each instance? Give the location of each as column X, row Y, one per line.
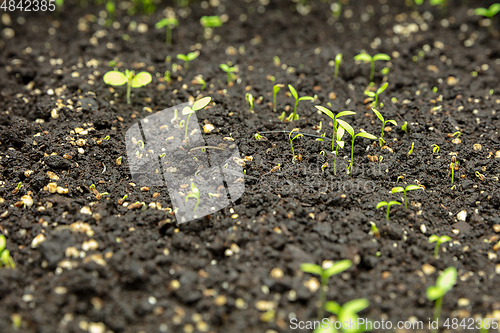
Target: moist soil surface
column 100, row 263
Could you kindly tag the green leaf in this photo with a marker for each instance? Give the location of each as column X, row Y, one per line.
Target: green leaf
column 434, row 292
column 3, row 243
column 494, row 9
column 191, row 56
column 194, row 189
column 182, row 57
column 276, row 88
column 379, row 115
column 293, row 91
column 394, row 203
column 345, row 113
column 325, row 111
column 363, row 57
column 346, row 126
column 162, row 23
column 333, row 307
column 392, row 122
column 141, row 79
column 338, row 267
column 482, row 12
column 382, row 89
column 381, row 56
column 115, row 78
column 187, row 110
column 447, row 279
column 369, row 93
column 201, row 103
column 367, row 135
column 340, row 133
column 311, row 268
column 224, row 67
column 397, row 190
column 413, row 187
column 433, row 238
column 356, row 305
column 306, row 98
column 341, row 144
column 381, row 204
column 444, row 239
column 338, row 57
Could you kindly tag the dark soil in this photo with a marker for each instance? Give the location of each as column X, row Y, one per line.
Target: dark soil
column 147, row 273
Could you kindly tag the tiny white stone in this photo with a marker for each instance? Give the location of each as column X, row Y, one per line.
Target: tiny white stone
column 462, row 216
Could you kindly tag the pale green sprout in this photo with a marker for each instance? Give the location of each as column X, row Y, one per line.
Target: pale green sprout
column 198, row 105
column 276, row 61
column 453, row 166
column 434, row 90
column 374, row 95
column 132, row 80
column 325, row 274
column 411, row 149
column 444, row 283
column 229, row 71
column 170, row 23
column 442, row 3
column 368, row 58
column 338, row 60
column 489, row 13
column 350, row 130
column 16, row 321
column 388, row 204
column 435, row 149
column 349, row 314
column 249, row 99
column 384, row 122
column 257, row 136
column 208, row 23
column 294, row 115
column 291, row 141
column 404, row 190
column 439, row 241
column 374, row 230
column 110, row 8
column 5, row 258
column 167, row 77
column 195, row 193
column 404, row 128
column 199, row 80
column 187, row 58
column 276, row 89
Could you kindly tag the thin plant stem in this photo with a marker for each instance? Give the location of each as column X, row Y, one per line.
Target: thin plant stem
column 352, row 153
column 129, row 87
column 322, row 297
column 169, row 35
column 372, row 71
column 336, row 75
column 187, row 123
column 335, row 160
column 437, row 312
column 274, row 103
column 295, row 109
column 436, row 250
column 388, row 211
column 406, row 202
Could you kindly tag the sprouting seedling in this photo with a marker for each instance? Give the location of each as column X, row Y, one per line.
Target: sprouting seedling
column 170, row 23
column 374, row 230
column 229, row 71
column 384, row 122
column 132, row 80
column 5, row 258
column 18, row 187
column 249, row 99
column 110, row 8
column 442, row 4
column 439, row 241
column 208, row 23
column 374, row 95
column 435, row 149
column 350, row 130
column 198, row 105
column 404, row 128
column 404, row 190
column 276, row 89
column 187, row 58
column 291, row 141
column 349, row 314
column 294, row 115
column 325, row 274
column 257, row 136
column 338, row 60
column 388, row 204
column 168, row 79
column 371, row 60
column 444, row 283
column 195, row 193
column 454, row 167
column 411, row 149
column 199, row 80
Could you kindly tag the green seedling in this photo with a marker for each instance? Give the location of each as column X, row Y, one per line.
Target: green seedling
column 257, row 136
column 349, row 314
column 338, row 60
column 291, row 141
column 277, row 61
column 374, row 230
column 208, row 23
column 435, row 149
column 168, row 79
column 294, row 115
column 439, row 241
column 276, row 89
column 374, row 95
column 411, row 149
column 110, row 8
column 336, row 137
column 229, row 71
column 199, row 80
column 187, row 58
column 454, row 167
column 444, row 283
column 404, row 190
column 198, row 105
column 132, row 80
column 385, row 71
column 404, row 128
column 170, row 23
column 195, row 193
column 368, row 58
column 384, row 122
column 350, row 130
column 388, row 204
column 5, row 258
column 325, row 274
column 442, row 3
column 249, row 99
